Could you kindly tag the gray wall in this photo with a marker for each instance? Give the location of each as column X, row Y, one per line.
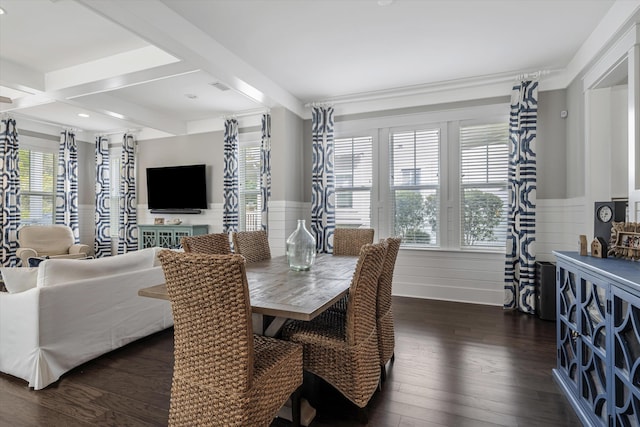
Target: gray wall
column 575, row 140
column 200, row 148
column 551, row 145
column 287, row 156
column 86, row 173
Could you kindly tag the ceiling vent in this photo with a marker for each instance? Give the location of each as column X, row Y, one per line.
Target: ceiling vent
column 220, row 86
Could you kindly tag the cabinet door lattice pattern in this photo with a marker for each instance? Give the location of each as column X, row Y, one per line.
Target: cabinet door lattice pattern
column 177, row 238
column 626, row 364
column 148, row 238
column 568, row 327
column 165, row 239
column 593, row 307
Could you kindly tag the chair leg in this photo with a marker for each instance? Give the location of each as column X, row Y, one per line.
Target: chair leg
column 295, row 407
column 393, row 357
column 383, row 373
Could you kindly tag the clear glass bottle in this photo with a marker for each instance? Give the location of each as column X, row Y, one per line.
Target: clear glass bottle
column 301, row 248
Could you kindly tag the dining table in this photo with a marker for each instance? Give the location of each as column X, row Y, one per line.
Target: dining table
column 277, row 291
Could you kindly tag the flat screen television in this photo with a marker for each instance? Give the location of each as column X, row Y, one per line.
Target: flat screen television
column 182, row 189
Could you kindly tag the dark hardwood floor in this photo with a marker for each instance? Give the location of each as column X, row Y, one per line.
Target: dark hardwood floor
column 456, row 365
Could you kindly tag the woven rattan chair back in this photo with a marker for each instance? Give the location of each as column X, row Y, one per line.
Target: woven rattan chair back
column 253, row 245
column 361, row 308
column 213, row 341
column 384, row 315
column 213, row 244
column 348, row 241
column 223, row 374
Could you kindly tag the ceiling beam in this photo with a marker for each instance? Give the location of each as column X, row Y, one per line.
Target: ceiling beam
column 155, row 22
column 85, row 96
column 112, row 106
column 20, row 78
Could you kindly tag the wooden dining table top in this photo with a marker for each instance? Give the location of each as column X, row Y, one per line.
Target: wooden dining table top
column 276, row 290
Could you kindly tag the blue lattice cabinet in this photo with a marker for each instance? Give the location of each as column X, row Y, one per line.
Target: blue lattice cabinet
column 598, row 330
column 626, row 358
column 167, row 236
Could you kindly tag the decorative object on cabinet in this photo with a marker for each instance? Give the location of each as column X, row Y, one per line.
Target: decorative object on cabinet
column 167, row 236
column 158, row 221
column 605, row 213
column 625, row 240
column 582, row 245
column 598, row 338
column 599, row 248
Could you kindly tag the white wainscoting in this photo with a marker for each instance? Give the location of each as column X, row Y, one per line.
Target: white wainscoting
column 479, row 277
column 87, row 225
column 211, row 217
column 283, row 220
column 559, row 222
column 473, row 277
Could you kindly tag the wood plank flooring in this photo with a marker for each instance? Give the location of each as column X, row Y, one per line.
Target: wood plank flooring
column 456, row 365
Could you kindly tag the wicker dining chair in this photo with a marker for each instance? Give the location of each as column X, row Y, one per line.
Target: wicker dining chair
column 348, row 241
column 342, row 348
column 212, row 244
column 384, row 313
column 253, row 245
column 223, row 374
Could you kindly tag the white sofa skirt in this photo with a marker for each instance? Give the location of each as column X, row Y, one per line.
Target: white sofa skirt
column 46, row 331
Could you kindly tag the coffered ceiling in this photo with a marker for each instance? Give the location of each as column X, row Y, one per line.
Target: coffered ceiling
column 181, row 66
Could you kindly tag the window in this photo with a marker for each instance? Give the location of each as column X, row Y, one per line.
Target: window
column 37, row 186
column 354, row 175
column 249, row 187
column 439, row 178
column 415, row 185
column 484, row 159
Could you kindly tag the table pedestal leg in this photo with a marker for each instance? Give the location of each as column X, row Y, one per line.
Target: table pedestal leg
column 307, row 412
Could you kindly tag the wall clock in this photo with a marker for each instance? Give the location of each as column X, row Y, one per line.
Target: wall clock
column 605, row 214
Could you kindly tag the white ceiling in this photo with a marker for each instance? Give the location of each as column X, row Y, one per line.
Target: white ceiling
column 137, row 64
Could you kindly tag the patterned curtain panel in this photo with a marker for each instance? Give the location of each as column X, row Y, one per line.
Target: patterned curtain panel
column 67, row 183
column 231, row 206
column 102, row 244
column 10, row 192
column 127, row 218
column 520, row 268
column 265, row 169
column 323, row 209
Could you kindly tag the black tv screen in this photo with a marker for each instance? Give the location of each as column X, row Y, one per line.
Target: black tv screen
column 177, row 187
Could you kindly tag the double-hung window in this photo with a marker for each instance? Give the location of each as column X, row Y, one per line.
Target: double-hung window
column 439, row 178
column 37, row 185
column 250, row 218
column 415, row 185
column 353, row 170
column 484, row 160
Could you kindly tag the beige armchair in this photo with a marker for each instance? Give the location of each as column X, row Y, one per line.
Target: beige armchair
column 53, row 241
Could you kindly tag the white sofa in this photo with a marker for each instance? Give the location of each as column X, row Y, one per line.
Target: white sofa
column 78, row 310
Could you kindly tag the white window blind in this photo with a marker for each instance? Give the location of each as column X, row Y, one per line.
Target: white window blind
column 415, row 185
column 484, row 161
column 353, row 170
column 37, row 186
column 249, row 188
